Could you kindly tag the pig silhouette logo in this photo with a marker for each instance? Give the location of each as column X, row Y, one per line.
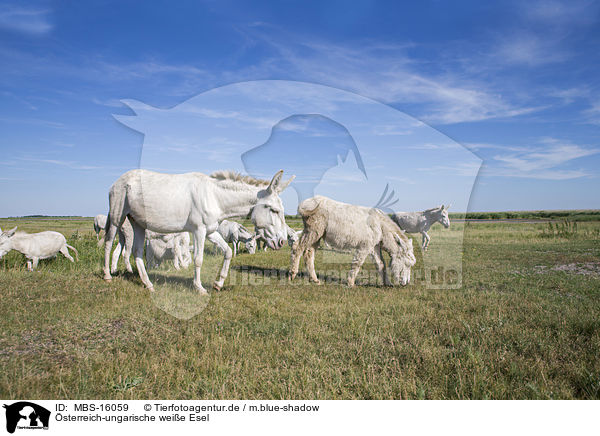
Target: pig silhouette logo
column 26, row 415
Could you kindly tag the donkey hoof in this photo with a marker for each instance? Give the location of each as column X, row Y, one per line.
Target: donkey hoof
column 216, row 287
column 108, row 279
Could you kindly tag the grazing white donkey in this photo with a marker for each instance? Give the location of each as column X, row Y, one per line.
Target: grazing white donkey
column 191, row 202
column 161, row 247
column 346, row 227
column 420, row 222
column 235, row 232
column 292, row 235
column 35, row 246
column 99, row 224
column 266, row 226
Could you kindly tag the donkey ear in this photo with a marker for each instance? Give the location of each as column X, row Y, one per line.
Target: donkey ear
column 275, row 181
column 284, row 185
column 10, row 233
column 448, row 207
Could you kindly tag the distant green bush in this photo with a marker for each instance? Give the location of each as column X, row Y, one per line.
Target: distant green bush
column 571, row 215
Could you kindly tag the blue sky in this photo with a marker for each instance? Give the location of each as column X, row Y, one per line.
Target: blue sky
column 515, row 82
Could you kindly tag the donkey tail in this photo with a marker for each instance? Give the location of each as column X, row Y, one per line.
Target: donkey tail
column 308, row 207
column 106, row 227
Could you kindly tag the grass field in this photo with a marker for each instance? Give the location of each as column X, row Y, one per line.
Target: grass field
column 525, row 324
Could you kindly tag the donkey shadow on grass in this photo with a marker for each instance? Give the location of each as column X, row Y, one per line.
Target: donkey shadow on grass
column 327, row 278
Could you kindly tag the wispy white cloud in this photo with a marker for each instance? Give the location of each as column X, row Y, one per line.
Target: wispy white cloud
column 111, row 102
column 559, row 13
column 546, row 160
column 465, row 169
column 592, row 114
column 537, row 35
column 389, row 73
column 478, row 146
column 569, row 95
column 26, row 20
column 69, row 164
column 527, row 48
column 32, row 121
column 430, row 146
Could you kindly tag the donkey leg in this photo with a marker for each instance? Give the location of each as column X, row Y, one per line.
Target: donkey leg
column 309, row 258
column 380, row 265
column 359, row 259
column 65, row 252
column 305, row 241
column 425, row 241
column 199, row 238
column 217, row 239
column 109, row 237
column 115, row 256
column 149, row 257
column 139, row 237
column 177, row 256
column 127, row 250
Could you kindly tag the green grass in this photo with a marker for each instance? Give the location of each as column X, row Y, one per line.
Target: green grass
column 511, row 331
column 571, row 215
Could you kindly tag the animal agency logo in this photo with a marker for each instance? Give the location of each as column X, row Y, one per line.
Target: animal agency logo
column 24, row 415
column 337, row 144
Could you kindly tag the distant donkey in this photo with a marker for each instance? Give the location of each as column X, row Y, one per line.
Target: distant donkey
column 99, row 224
column 35, row 246
column 161, row 247
column 420, row 222
column 235, row 232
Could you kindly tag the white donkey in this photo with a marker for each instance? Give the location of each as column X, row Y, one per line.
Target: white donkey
column 99, row 224
column 160, row 247
column 421, row 222
column 35, row 246
column 292, row 235
column 365, row 231
column 235, row 232
column 192, row 202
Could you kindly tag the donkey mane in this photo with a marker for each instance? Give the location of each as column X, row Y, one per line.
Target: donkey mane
column 433, row 209
column 234, row 176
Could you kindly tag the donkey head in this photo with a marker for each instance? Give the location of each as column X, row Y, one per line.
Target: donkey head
column 251, row 245
column 443, row 219
column 267, row 215
column 402, row 260
column 5, row 241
